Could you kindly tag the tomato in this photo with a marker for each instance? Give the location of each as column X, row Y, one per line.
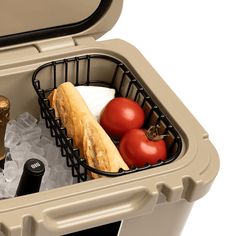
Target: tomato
column 138, row 150
column 120, row 115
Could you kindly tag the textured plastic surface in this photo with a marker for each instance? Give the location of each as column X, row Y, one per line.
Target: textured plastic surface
column 106, row 200
column 166, row 219
column 166, row 192
column 73, row 18
column 23, row 16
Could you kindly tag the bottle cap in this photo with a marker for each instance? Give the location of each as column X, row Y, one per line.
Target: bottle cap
column 34, row 167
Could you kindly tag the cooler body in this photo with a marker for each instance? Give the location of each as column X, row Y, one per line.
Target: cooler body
column 165, row 219
column 155, row 201
column 39, row 53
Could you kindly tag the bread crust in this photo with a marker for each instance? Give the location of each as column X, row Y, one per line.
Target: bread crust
column 87, row 134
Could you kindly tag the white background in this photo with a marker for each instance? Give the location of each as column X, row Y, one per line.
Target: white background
column 192, row 45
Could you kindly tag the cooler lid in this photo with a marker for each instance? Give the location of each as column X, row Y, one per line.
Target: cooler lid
column 24, row 21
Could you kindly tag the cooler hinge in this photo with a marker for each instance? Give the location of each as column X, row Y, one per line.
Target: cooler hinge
column 8, row 55
column 59, row 43
column 84, row 40
column 54, row 44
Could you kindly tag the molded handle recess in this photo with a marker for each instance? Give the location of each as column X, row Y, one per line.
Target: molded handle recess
column 98, row 210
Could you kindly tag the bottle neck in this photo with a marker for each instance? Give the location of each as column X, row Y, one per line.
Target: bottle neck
column 4, row 118
column 2, row 135
column 31, row 177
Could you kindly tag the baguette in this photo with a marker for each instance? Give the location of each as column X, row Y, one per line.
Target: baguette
column 87, row 134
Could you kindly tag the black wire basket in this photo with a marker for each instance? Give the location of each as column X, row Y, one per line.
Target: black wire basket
column 106, row 71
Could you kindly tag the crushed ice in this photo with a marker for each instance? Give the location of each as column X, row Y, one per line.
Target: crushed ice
column 28, row 138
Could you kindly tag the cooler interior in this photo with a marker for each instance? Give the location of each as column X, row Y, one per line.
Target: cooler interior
column 97, row 70
column 106, row 71
column 158, row 201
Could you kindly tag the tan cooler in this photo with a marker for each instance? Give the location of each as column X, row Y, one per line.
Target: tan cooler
column 44, row 43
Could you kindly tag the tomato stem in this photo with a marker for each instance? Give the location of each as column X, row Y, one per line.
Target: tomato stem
column 153, row 133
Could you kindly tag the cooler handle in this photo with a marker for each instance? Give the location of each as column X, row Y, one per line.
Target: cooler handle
column 98, row 210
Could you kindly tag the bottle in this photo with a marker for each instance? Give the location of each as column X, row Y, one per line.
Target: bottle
column 31, row 177
column 4, row 118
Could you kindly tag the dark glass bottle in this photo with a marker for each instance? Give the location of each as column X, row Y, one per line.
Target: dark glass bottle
column 4, row 118
column 31, row 177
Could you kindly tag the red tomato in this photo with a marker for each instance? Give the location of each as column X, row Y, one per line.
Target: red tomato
column 120, row 115
column 137, row 150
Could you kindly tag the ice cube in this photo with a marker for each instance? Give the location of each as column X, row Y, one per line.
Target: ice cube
column 3, row 192
column 10, row 171
column 46, row 179
column 44, row 141
column 68, row 179
column 23, row 146
column 55, row 177
column 37, row 150
column 11, row 187
column 8, row 156
column 64, row 163
column 27, row 120
column 12, row 139
column 41, row 123
column 45, row 130
column 51, row 179
column 15, row 127
column 47, row 185
column 34, row 142
column 19, row 151
column 61, row 176
column 19, row 155
column 32, row 135
column 52, row 154
column 2, row 178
